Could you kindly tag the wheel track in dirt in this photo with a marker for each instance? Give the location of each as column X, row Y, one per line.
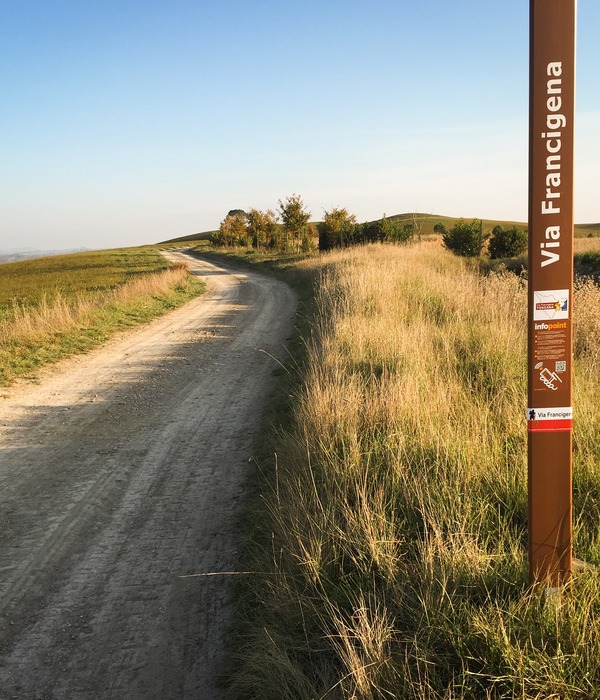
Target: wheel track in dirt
column 121, row 474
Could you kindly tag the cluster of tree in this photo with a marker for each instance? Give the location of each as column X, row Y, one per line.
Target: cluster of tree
column 339, row 229
column 288, row 229
column 285, row 230
column 468, row 239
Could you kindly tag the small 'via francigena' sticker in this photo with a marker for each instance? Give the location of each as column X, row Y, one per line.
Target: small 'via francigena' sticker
column 549, row 420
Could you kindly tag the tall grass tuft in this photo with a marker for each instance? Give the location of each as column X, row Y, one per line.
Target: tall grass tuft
column 397, row 512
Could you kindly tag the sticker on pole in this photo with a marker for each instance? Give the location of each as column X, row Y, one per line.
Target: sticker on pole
column 549, row 378
column 549, row 420
column 551, row 305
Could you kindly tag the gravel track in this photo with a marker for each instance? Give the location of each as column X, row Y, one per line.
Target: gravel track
column 121, row 473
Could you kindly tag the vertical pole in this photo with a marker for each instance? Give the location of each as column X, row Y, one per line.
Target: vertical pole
column 550, row 297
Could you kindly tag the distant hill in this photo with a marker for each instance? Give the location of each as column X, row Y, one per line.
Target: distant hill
column 205, row 236
column 428, row 221
column 584, row 230
column 16, row 254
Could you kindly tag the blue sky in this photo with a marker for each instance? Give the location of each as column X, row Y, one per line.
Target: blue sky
column 125, row 122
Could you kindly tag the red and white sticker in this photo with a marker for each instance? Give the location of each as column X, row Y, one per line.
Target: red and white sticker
column 549, row 420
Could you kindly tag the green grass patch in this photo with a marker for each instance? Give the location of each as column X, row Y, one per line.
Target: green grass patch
column 53, row 307
column 189, row 240
column 29, row 281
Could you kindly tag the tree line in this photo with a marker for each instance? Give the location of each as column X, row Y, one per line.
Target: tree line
column 288, row 229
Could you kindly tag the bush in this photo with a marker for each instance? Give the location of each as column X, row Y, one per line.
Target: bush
column 507, row 243
column 465, row 238
column 383, row 230
column 397, row 231
column 337, row 229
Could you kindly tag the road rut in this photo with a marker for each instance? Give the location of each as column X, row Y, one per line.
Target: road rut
column 121, row 473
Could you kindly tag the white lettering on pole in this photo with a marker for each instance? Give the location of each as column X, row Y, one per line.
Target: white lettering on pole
column 555, row 122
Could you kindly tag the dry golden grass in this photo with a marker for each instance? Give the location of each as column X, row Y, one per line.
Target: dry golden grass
column 398, row 516
column 587, row 245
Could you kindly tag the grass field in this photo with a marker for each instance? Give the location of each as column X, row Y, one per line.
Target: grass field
column 394, row 541
column 389, row 536
column 56, row 306
column 29, row 281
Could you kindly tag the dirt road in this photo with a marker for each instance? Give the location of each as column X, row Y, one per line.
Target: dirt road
column 122, row 472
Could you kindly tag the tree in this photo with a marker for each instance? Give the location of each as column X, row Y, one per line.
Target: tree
column 308, row 245
column 385, row 229
column 397, row 232
column 465, row 238
column 337, row 229
column 372, row 231
column 232, row 230
column 262, row 228
column 294, row 218
column 507, row 243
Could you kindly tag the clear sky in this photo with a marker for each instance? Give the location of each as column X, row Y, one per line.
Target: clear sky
column 125, row 122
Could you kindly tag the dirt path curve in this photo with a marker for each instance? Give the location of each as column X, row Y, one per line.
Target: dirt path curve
column 120, row 473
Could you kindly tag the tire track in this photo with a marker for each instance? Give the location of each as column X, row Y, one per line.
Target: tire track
column 120, row 473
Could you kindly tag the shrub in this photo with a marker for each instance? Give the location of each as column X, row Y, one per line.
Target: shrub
column 507, row 242
column 397, row 231
column 465, row 238
column 384, row 230
column 336, row 229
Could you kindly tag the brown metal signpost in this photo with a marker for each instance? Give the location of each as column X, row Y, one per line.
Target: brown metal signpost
column 550, row 317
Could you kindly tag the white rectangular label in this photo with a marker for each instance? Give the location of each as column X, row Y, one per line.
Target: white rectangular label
column 551, row 305
column 565, row 413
